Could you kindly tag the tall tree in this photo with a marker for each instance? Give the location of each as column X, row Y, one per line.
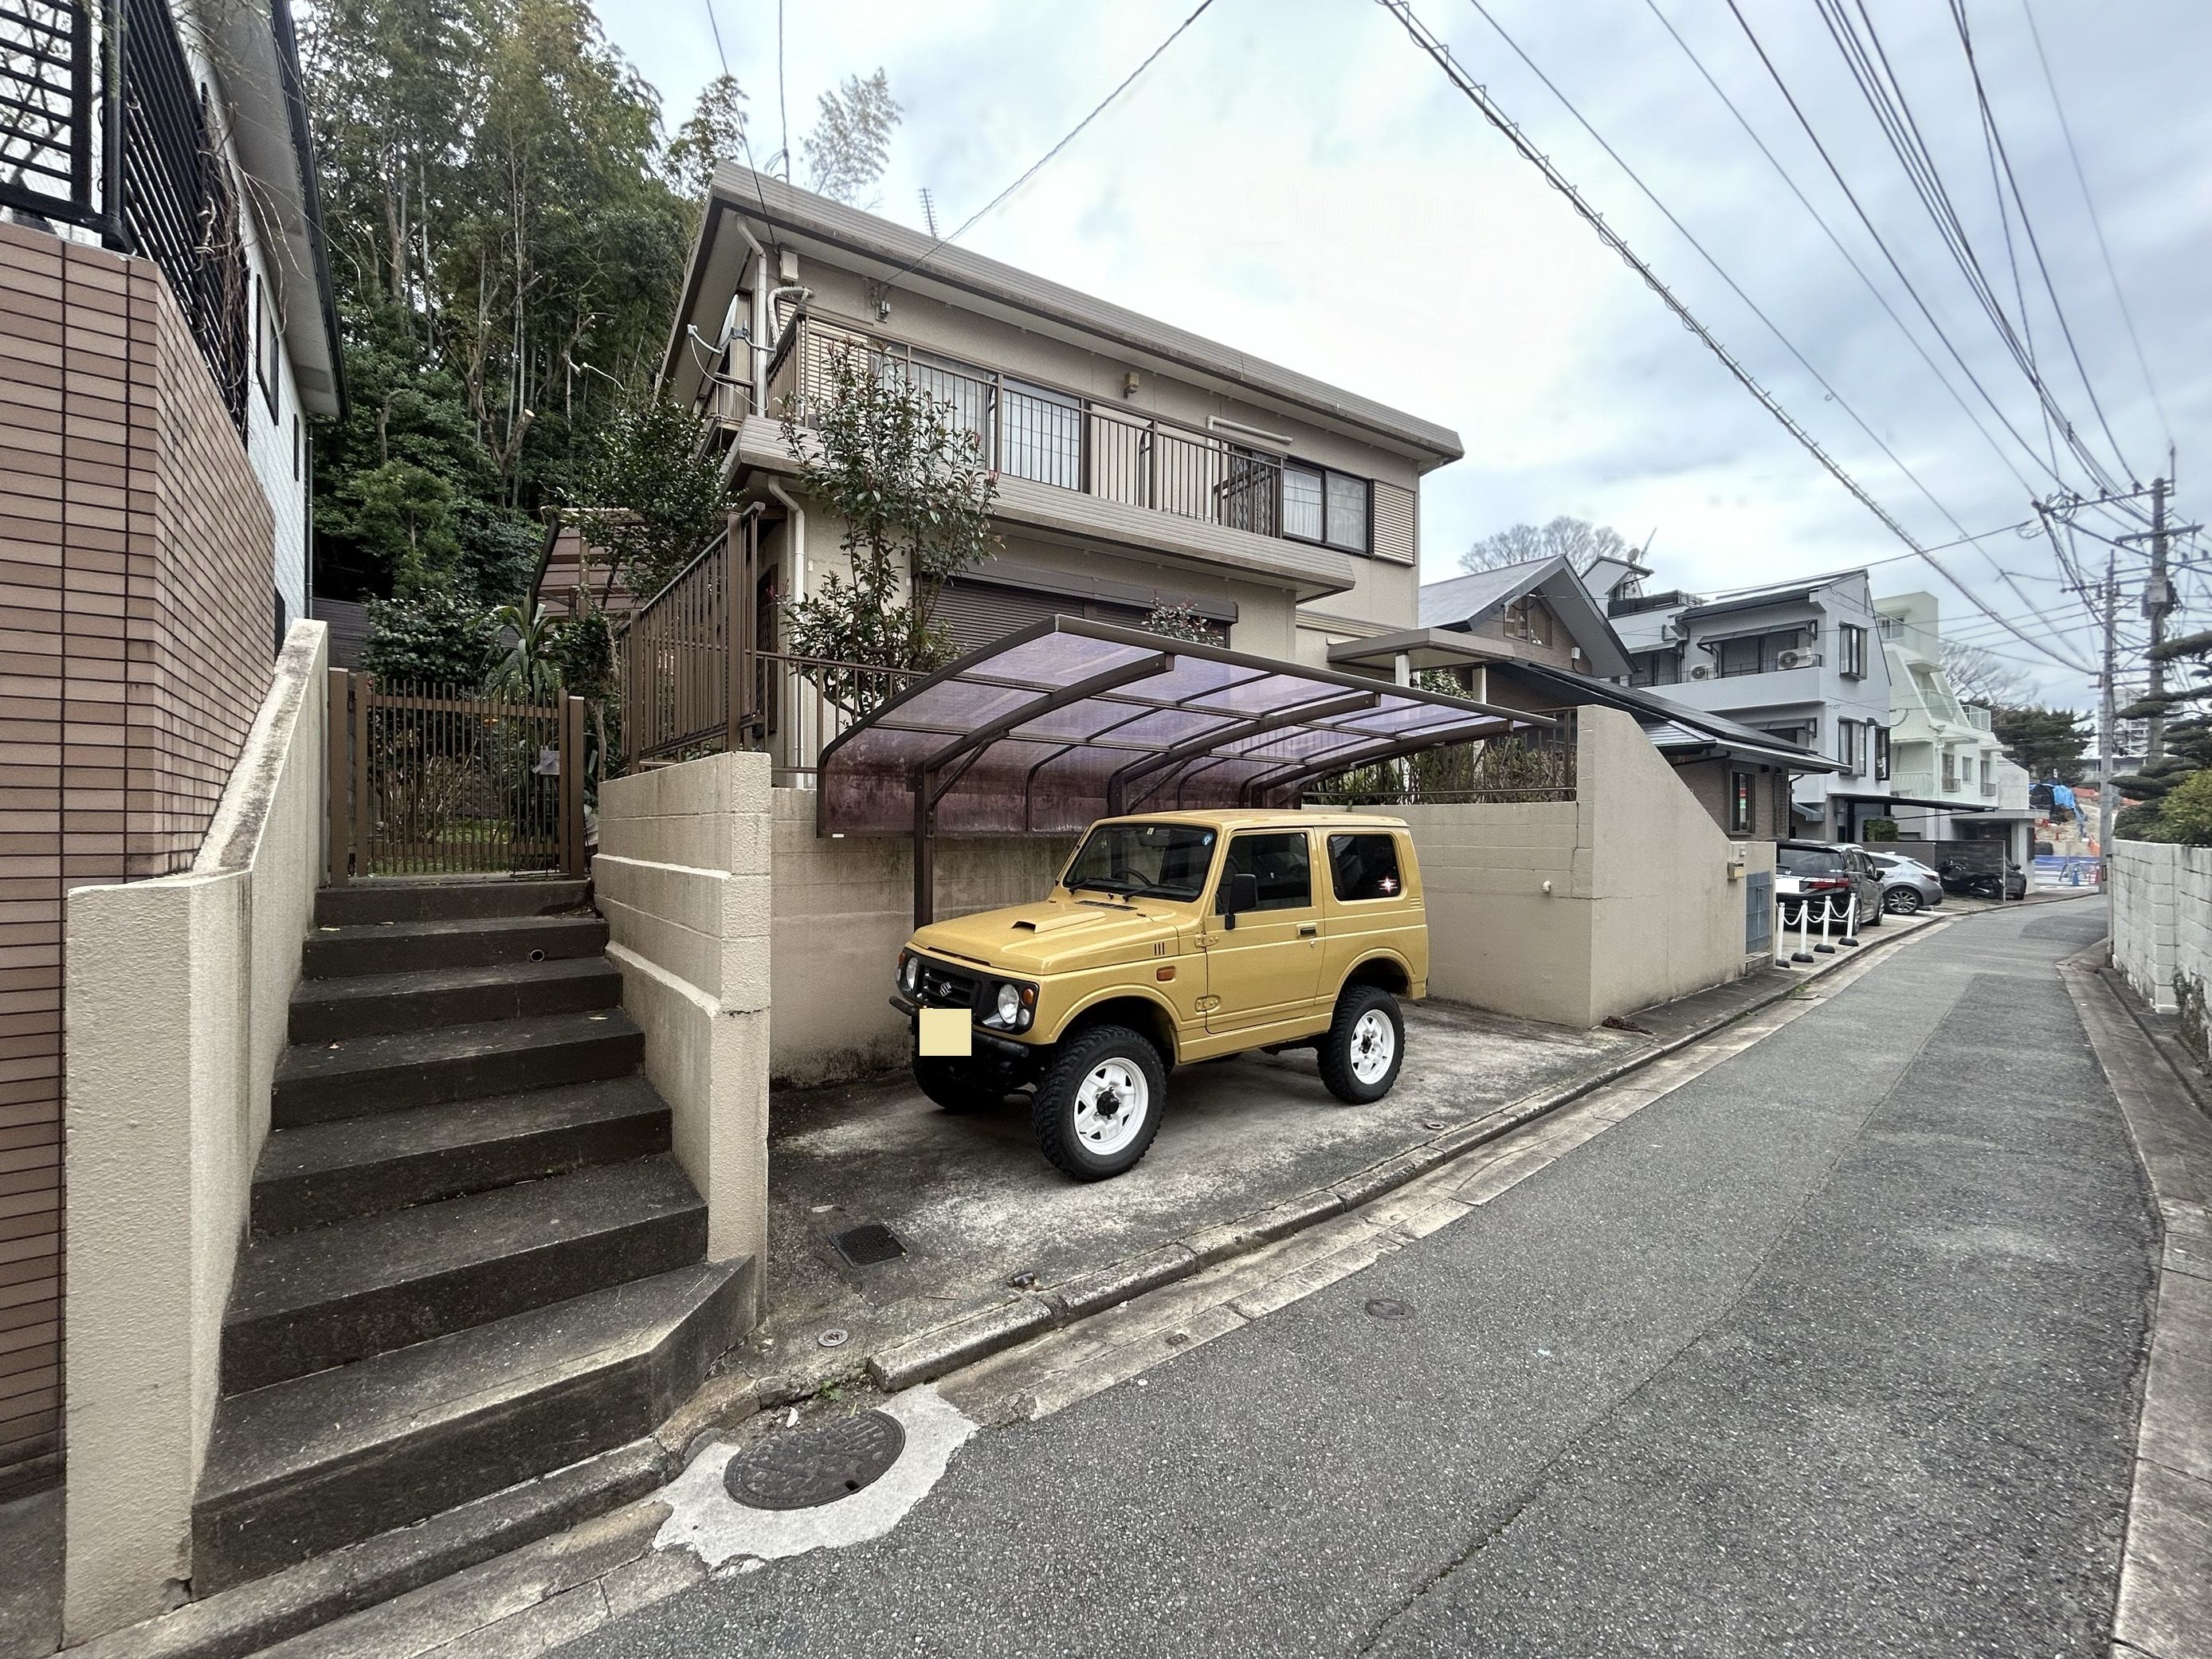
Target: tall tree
column 2048, row 742
column 851, row 142
column 1580, row 541
column 713, row 133
column 1979, row 676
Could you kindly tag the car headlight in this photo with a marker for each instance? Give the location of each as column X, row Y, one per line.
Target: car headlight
column 1010, row 1005
column 910, row 971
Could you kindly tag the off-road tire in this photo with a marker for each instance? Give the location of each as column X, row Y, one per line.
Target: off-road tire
column 1053, row 1107
column 954, row 1085
column 1336, row 1052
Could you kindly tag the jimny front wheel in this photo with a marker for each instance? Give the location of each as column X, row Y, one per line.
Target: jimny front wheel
column 1097, row 1105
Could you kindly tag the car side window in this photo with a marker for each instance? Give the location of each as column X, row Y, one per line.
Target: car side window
column 1363, row 867
column 1282, row 864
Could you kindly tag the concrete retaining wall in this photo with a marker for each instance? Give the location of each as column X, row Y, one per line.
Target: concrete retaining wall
column 2162, row 898
column 842, row 909
column 682, row 876
column 178, row 995
column 1573, row 911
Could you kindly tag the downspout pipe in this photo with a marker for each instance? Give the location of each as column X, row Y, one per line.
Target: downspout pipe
column 794, row 535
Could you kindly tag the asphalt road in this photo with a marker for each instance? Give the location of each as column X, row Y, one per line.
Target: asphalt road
column 1835, row 1350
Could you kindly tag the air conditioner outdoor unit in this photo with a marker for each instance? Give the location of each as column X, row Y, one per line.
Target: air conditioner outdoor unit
column 1702, row 671
column 1793, row 659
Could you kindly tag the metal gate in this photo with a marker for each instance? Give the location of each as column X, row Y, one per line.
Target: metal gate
column 1758, row 913
column 435, row 781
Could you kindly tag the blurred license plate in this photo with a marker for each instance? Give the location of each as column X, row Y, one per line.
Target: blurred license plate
column 947, row 1032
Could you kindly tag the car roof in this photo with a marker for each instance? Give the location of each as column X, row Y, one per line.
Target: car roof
column 1277, row 818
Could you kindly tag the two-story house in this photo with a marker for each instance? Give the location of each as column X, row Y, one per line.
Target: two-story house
column 1800, row 661
column 1952, row 779
column 1138, row 464
column 166, row 332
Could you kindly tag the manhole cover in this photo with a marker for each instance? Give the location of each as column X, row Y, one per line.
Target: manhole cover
column 800, row 1471
column 1389, row 1307
column 869, row 1244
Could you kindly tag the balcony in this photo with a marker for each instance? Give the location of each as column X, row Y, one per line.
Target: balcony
column 1066, row 442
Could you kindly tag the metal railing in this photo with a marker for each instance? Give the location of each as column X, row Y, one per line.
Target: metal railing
column 1500, row 771
column 699, row 676
column 437, row 781
column 1026, row 430
column 161, row 190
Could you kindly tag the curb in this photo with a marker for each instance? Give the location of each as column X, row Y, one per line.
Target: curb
column 949, row 1347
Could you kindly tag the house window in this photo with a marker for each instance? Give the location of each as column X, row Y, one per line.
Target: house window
column 1950, row 771
column 1743, row 804
column 1851, row 746
column 1881, row 753
column 1528, row 618
column 265, row 345
column 1803, row 733
column 1755, row 653
column 1850, row 650
column 1655, row 668
column 1321, row 506
column 1040, row 434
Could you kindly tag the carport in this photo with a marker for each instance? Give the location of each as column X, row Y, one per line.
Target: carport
column 1068, row 721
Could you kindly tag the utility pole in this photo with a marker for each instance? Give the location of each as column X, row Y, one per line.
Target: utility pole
column 2107, row 714
column 2158, row 600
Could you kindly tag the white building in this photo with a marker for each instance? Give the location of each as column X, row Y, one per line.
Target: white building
column 1949, row 773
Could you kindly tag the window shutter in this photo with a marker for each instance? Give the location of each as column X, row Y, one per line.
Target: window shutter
column 1394, row 523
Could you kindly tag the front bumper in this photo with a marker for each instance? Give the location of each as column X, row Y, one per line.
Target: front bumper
column 982, row 1036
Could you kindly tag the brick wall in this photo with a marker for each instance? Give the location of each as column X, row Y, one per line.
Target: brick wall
column 136, row 637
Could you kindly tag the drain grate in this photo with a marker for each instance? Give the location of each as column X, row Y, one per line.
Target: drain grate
column 804, row 1471
column 868, row 1245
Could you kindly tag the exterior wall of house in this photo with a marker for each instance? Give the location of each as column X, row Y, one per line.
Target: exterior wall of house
column 1941, row 748
column 1641, row 907
column 682, row 876
column 2162, row 898
column 842, row 908
column 136, row 642
column 1707, row 781
column 179, row 1005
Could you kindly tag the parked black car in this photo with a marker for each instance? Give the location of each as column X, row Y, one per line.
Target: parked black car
column 1823, row 874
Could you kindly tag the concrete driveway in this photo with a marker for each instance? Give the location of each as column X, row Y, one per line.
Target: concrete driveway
column 977, row 1207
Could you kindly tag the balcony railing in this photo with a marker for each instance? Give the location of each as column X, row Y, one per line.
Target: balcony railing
column 145, row 172
column 1026, row 430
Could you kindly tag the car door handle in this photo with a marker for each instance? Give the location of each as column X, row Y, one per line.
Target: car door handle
column 1309, row 929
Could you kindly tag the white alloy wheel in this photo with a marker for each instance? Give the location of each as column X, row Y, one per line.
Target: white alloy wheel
column 1374, row 1044
column 1111, row 1105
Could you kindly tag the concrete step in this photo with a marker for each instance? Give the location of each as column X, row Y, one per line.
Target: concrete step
column 383, row 899
column 306, row 1466
column 306, row 1301
column 363, row 1005
column 400, row 947
column 325, row 1172
column 317, row 1083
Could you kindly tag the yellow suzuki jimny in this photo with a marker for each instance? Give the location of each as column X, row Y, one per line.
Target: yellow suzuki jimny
column 1168, row 939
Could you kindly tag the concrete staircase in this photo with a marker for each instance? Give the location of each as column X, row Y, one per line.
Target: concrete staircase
column 473, row 1260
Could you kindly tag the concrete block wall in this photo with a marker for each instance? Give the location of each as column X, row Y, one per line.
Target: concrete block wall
column 682, row 876
column 841, row 908
column 2162, row 898
column 179, row 996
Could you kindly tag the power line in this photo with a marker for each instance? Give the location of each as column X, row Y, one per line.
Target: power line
column 1035, row 167
column 743, row 138
column 1427, row 41
column 2096, row 223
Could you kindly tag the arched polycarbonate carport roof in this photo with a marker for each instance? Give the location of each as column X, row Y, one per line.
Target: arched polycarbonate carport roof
column 1068, row 720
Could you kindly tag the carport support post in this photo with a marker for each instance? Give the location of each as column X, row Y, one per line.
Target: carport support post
column 925, row 848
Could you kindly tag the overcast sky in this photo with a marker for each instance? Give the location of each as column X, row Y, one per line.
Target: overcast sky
column 1294, row 178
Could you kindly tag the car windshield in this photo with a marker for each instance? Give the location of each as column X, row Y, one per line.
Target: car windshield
column 1155, row 860
column 1809, row 861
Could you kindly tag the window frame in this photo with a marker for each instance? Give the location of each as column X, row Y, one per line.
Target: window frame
column 1742, row 802
column 265, row 347
column 1323, row 475
column 1851, row 651
column 1521, row 616
column 1228, row 870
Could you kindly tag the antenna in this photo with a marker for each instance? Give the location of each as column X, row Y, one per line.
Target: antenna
column 929, row 214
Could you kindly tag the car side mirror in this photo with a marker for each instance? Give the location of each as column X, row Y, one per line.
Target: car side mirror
column 1242, row 893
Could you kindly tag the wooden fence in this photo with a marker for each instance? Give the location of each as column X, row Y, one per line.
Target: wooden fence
column 438, row 781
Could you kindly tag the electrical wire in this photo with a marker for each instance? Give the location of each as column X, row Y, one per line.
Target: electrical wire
column 1037, row 166
column 2096, row 223
column 1430, row 43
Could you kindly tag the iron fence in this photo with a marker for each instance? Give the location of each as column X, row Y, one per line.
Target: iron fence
column 1526, row 767
column 437, row 780
column 48, row 53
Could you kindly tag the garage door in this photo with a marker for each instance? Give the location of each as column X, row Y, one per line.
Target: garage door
column 973, row 614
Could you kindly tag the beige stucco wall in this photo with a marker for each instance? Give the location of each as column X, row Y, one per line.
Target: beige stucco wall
column 177, row 998
column 682, row 876
column 841, row 908
column 1641, row 908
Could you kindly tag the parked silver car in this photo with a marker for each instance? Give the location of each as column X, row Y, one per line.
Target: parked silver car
column 1907, row 884
column 1825, row 874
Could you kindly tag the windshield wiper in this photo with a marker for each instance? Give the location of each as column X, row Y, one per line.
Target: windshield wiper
column 1120, row 890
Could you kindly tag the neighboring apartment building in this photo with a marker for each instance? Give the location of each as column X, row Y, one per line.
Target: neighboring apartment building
column 166, row 329
column 1138, row 464
column 1952, row 779
column 1800, row 661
